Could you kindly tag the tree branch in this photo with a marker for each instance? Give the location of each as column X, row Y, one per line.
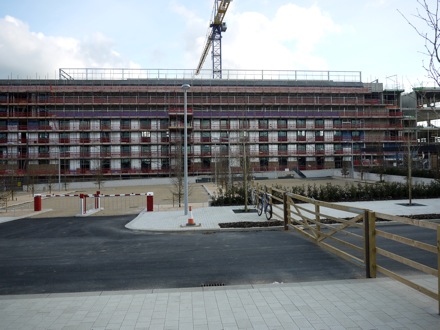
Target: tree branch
column 430, row 18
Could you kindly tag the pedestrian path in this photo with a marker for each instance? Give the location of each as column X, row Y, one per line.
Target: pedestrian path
column 379, row 303
column 209, row 218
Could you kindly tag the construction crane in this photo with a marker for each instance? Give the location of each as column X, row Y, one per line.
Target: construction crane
column 214, row 38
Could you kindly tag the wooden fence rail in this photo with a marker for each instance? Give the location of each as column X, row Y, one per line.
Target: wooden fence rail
column 351, row 233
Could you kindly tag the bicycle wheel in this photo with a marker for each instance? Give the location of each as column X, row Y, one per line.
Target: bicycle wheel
column 253, row 198
column 259, row 207
column 268, row 211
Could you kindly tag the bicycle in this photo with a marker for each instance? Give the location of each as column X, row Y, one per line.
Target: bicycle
column 264, row 205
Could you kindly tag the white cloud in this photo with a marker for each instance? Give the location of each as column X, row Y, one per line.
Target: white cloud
column 286, row 41
column 191, row 35
column 24, row 53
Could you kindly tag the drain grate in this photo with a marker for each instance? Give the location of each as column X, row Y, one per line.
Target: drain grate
column 212, row 284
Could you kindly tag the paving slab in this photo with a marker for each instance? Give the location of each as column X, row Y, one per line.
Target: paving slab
column 379, row 303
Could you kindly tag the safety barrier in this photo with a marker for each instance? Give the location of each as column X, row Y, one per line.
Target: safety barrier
column 92, row 203
column 351, row 233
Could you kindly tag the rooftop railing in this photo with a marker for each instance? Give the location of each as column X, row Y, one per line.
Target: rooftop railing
column 187, row 74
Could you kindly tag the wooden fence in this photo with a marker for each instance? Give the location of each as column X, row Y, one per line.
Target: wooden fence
column 351, row 233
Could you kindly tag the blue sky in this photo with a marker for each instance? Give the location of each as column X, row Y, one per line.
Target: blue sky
column 38, row 37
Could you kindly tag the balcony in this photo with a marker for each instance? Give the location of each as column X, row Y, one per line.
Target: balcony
column 301, row 138
column 65, row 140
column 125, row 139
column 145, row 139
column 393, row 138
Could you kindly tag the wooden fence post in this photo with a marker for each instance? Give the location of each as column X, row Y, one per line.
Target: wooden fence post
column 370, row 243
column 286, row 209
column 438, row 265
column 318, row 220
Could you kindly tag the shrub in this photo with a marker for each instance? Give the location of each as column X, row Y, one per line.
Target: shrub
column 336, row 193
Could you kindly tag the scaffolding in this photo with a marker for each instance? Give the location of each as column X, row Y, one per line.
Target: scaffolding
column 91, row 124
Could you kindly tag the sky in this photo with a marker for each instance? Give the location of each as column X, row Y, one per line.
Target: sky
column 37, row 37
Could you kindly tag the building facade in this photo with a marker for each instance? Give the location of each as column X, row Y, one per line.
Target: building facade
column 129, row 123
column 421, row 109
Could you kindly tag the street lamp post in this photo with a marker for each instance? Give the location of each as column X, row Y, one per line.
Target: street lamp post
column 352, row 159
column 59, row 170
column 185, row 88
column 229, row 161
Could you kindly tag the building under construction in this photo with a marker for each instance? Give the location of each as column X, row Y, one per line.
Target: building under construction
column 129, row 123
column 421, row 109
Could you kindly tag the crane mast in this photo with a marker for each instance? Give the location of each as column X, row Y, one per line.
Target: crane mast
column 214, row 39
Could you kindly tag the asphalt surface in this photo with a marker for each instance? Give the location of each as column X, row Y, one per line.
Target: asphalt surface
column 99, row 254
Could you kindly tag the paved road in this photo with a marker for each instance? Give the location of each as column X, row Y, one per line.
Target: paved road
column 97, row 254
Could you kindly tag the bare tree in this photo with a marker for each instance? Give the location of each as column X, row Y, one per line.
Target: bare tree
column 99, row 176
column 345, row 169
column 428, row 14
column 177, row 168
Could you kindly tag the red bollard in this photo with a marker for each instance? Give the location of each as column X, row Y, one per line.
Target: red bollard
column 97, row 201
column 37, row 202
column 150, row 202
column 83, row 203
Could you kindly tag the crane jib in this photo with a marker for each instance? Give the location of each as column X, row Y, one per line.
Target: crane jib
column 220, row 9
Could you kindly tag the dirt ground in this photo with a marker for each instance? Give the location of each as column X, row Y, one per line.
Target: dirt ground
column 199, row 196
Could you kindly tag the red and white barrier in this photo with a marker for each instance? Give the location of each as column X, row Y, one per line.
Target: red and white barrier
column 86, row 210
